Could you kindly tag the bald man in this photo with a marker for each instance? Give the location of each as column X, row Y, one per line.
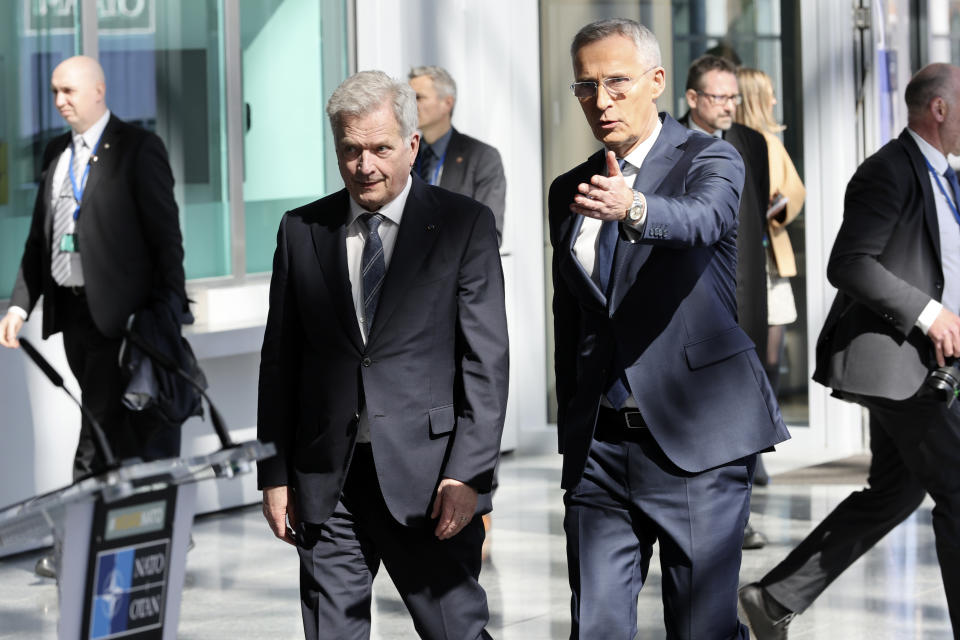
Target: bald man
column 897, row 274
column 103, row 243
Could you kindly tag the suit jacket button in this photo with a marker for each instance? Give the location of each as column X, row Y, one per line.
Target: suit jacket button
column 366, row 362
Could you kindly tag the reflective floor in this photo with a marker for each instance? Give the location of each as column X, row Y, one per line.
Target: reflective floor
column 242, row 583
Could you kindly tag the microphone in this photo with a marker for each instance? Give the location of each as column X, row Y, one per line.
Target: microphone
column 99, row 439
column 170, row 365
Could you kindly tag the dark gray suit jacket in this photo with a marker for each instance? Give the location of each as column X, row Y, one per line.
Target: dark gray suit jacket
column 886, row 266
column 128, row 231
column 474, row 169
column 671, row 318
column 433, row 373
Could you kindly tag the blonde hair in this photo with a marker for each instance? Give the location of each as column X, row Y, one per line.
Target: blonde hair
column 756, row 109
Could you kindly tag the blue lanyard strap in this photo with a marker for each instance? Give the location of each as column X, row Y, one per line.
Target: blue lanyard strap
column 950, row 202
column 78, row 190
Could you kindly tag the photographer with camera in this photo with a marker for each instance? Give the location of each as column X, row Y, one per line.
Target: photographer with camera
column 896, row 265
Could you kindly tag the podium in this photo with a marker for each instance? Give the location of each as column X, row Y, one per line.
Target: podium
column 122, row 539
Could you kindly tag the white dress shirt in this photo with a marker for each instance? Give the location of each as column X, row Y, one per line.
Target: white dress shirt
column 356, row 239
column 949, row 237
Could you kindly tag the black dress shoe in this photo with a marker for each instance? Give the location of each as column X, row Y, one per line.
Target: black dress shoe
column 765, row 617
column 753, row 539
column 45, row 567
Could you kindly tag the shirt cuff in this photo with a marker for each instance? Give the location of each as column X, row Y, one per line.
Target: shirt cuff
column 928, row 315
column 19, row 311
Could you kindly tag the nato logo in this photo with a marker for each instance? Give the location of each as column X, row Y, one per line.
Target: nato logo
column 128, row 590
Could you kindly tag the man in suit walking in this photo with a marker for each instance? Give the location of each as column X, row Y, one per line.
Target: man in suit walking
column 383, row 380
column 662, row 399
column 103, row 243
column 451, row 159
column 712, row 97
column 895, row 265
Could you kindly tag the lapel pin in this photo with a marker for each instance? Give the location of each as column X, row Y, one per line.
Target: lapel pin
column 431, row 227
column 106, row 145
column 459, row 159
column 96, row 158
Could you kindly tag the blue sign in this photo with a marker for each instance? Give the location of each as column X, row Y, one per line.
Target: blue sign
column 128, row 593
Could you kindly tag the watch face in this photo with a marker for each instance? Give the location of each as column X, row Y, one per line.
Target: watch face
column 636, row 212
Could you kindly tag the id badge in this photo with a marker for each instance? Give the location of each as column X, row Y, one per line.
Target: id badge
column 68, row 243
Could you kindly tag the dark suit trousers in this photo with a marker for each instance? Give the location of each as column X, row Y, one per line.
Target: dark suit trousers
column 340, row 558
column 93, row 359
column 916, row 450
column 631, row 496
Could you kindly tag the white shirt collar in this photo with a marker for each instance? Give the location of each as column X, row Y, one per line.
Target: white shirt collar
column 92, row 135
column 392, row 211
column 636, row 157
column 930, row 152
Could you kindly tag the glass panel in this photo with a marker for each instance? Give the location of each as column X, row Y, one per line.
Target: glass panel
column 164, row 72
column 293, row 53
column 34, row 38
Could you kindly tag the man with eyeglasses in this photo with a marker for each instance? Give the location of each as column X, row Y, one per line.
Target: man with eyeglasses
column 712, row 96
column 662, row 400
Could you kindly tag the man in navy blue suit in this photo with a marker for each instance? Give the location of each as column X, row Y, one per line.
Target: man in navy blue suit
column 663, row 403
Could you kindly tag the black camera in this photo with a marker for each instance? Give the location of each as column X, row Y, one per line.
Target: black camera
column 944, row 382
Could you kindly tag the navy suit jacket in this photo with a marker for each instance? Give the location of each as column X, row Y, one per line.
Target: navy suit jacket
column 886, row 266
column 433, row 373
column 128, row 231
column 671, row 319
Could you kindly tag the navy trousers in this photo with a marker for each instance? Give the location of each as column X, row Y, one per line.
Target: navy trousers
column 631, row 496
column 437, row 579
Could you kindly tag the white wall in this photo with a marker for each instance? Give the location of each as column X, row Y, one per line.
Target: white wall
column 492, row 49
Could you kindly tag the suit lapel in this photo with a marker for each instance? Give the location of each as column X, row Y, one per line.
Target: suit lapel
column 660, row 160
column 104, row 160
column 419, row 230
column 48, row 186
column 329, row 232
column 584, row 287
column 929, row 204
column 452, row 175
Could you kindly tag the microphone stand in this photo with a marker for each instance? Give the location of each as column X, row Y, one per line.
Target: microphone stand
column 99, row 438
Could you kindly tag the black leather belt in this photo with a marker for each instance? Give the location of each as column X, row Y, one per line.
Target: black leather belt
column 621, row 418
column 77, row 291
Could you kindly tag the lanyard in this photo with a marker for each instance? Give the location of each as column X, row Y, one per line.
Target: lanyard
column 435, row 180
column 950, row 203
column 78, row 190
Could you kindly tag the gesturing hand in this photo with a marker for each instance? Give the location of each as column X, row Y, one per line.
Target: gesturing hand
column 606, row 197
column 455, row 504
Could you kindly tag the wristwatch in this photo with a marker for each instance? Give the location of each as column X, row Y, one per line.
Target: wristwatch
column 637, row 209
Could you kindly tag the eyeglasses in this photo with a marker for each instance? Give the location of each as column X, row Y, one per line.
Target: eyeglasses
column 616, row 87
column 719, row 101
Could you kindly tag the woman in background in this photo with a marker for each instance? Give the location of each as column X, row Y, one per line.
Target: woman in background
column 787, row 194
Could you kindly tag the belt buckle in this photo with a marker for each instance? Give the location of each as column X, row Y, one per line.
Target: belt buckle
column 633, row 420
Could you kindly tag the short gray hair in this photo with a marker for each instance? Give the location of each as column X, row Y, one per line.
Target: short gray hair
column 648, row 49
column 366, row 91
column 443, row 82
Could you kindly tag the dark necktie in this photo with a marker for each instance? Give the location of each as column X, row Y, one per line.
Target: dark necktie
column 428, row 161
column 617, row 391
column 606, row 248
column 373, row 267
column 951, row 177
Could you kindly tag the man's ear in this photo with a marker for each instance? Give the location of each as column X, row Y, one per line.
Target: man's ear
column 691, row 96
column 659, row 82
column 448, row 102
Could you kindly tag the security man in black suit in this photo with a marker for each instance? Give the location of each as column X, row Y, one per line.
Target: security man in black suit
column 103, row 243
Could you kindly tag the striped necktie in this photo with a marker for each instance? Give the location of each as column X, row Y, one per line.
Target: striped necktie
column 373, row 267
column 65, row 266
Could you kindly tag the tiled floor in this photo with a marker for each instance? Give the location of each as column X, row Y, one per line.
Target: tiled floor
column 241, row 583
